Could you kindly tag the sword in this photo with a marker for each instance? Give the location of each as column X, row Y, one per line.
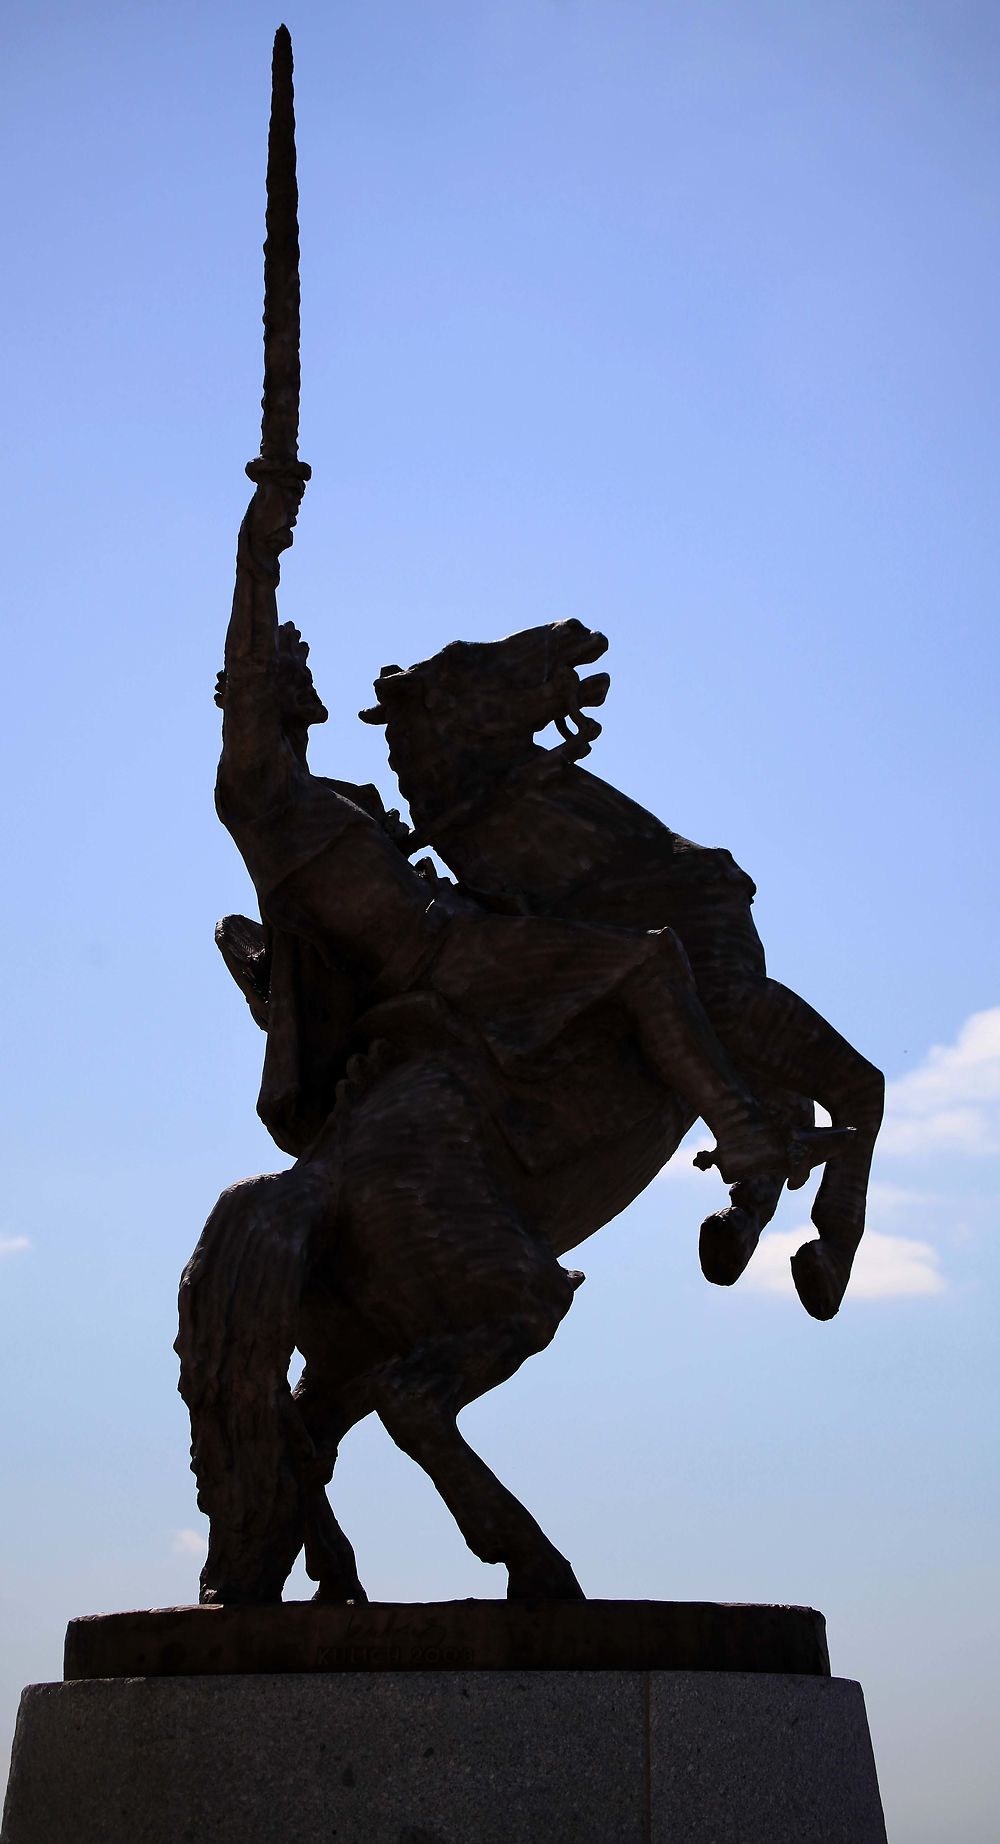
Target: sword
column 279, row 429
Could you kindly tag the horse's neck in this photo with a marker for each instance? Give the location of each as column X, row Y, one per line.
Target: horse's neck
column 542, row 829
column 442, row 784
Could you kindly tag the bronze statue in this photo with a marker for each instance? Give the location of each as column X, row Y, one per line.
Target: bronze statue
column 471, row 1076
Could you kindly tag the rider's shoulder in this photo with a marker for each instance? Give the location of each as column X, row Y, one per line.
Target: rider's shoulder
column 362, row 794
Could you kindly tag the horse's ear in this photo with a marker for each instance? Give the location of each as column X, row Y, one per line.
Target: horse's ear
column 392, row 680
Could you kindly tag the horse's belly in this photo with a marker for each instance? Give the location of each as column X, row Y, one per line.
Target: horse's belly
column 432, row 1237
column 580, row 1196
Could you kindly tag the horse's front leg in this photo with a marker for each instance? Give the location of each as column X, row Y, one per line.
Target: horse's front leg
column 730, row 1236
column 821, row 1269
column 779, row 1038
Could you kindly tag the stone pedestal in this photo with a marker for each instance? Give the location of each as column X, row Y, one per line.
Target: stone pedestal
column 460, row 1756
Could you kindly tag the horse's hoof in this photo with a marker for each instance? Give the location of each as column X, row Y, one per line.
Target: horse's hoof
column 340, row 1594
column 821, row 1274
column 238, row 1597
column 549, row 1579
column 727, row 1241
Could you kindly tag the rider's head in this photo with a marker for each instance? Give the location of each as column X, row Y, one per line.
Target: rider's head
column 301, row 704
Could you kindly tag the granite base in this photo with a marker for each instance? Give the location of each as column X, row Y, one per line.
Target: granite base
column 445, row 1757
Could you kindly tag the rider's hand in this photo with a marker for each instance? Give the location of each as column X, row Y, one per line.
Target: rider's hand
column 273, row 512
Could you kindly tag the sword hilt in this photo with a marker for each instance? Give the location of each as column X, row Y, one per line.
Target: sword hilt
column 266, row 467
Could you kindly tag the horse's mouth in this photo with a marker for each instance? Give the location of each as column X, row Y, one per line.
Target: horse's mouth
column 581, row 645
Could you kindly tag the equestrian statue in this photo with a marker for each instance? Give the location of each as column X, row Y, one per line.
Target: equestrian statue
column 471, row 1074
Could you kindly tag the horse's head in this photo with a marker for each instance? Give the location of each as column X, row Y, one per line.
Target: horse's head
column 474, row 708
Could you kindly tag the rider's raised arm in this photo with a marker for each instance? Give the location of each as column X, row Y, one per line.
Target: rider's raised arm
column 255, row 759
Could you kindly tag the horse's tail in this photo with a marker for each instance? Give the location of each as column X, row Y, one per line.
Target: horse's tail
column 238, row 1304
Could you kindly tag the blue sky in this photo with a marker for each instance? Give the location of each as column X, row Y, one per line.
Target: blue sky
column 678, row 318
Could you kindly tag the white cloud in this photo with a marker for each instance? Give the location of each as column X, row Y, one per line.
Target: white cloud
column 885, row 1267
column 951, row 1101
column 190, row 1543
column 888, row 1199
column 13, row 1245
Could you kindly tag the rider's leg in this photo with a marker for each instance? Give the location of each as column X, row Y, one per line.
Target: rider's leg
column 779, row 1037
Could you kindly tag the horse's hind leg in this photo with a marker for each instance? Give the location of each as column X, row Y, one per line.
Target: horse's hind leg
column 329, row 1554
column 327, row 1414
column 418, row 1401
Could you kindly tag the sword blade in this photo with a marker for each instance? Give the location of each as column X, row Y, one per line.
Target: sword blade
column 279, row 431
